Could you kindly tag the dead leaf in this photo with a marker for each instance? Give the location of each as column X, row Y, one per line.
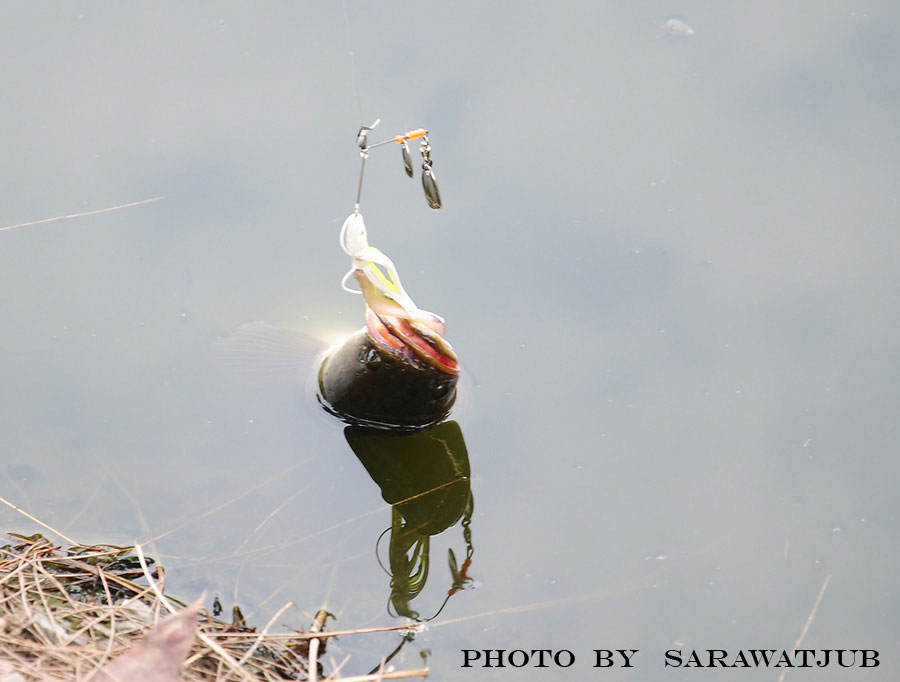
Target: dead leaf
column 159, row 656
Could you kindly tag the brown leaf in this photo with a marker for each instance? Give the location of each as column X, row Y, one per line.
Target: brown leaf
column 159, row 656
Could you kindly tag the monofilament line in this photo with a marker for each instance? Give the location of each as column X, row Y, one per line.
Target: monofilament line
column 352, row 60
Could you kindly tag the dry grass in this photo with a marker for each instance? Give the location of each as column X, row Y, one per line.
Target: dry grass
column 64, row 613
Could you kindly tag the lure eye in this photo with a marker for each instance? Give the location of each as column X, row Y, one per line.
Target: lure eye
column 362, row 137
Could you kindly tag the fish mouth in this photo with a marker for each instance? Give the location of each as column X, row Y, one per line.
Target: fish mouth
column 422, row 339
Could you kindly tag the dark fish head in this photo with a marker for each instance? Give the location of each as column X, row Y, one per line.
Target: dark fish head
column 392, row 374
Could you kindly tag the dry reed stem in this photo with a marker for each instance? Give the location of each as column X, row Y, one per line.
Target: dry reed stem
column 63, row 616
column 260, row 638
column 809, row 620
column 209, row 512
column 317, row 626
column 314, row 659
column 334, row 633
column 392, row 675
column 80, row 215
column 84, row 632
column 32, row 518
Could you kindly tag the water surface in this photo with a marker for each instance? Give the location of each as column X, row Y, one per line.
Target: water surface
column 669, row 266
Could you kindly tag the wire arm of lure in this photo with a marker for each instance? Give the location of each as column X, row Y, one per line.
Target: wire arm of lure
column 429, row 182
column 362, row 141
column 399, row 139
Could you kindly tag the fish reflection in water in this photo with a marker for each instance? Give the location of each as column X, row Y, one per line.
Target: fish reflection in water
column 425, row 477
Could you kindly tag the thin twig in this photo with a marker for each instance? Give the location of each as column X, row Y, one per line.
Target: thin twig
column 224, row 655
column 313, row 672
column 393, row 675
column 329, row 633
column 809, row 621
column 112, row 617
column 261, row 636
column 38, row 521
column 80, row 215
column 271, row 515
column 317, row 626
column 337, row 667
column 209, row 512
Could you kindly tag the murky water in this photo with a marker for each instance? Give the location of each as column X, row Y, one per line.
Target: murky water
column 667, row 261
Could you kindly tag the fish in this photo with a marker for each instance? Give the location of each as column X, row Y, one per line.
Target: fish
column 392, row 374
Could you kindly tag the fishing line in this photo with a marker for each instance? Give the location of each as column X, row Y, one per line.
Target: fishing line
column 429, row 182
column 350, row 52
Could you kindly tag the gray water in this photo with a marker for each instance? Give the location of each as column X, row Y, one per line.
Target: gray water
column 669, row 266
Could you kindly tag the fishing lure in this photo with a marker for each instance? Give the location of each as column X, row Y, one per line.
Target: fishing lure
column 429, row 181
column 399, row 370
column 396, row 320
